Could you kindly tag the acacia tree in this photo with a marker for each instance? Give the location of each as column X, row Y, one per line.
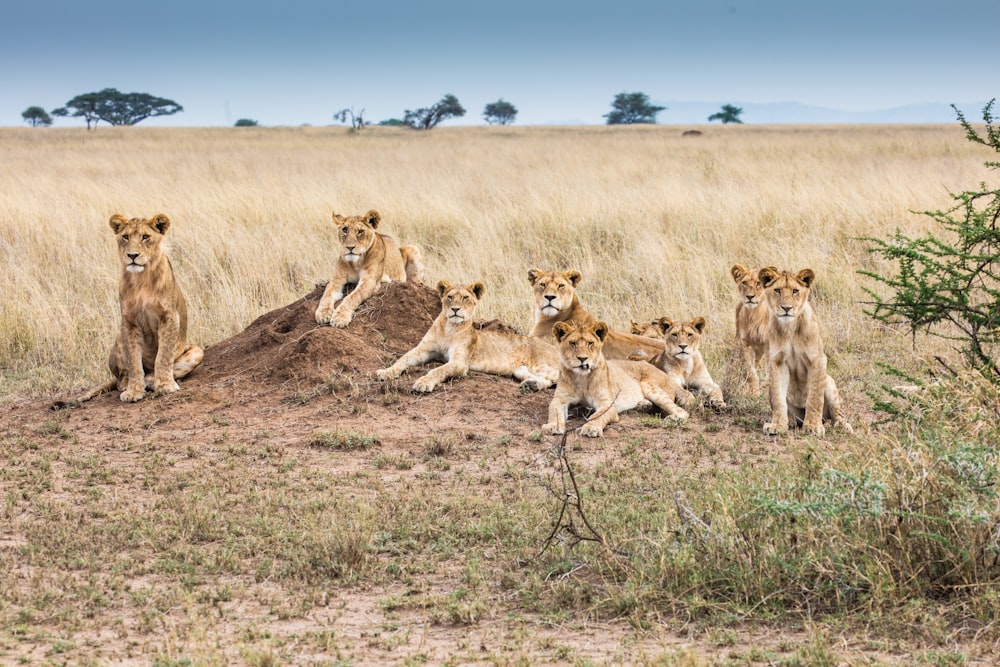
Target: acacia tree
column 629, row 108
column 117, row 108
column 36, row 117
column 427, row 118
column 500, row 112
column 948, row 283
column 357, row 120
column 728, row 114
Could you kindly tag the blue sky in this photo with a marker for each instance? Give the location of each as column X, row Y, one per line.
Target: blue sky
column 293, row 62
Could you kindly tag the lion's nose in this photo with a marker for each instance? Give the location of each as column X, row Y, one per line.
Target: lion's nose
column 550, row 297
column 132, row 255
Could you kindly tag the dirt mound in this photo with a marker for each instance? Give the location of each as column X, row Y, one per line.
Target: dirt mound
column 287, row 345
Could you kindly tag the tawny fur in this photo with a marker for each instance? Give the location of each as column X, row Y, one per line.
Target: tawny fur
column 682, row 360
column 800, row 388
column 607, row 386
column 753, row 320
column 454, row 340
column 556, row 301
column 366, row 259
column 151, row 350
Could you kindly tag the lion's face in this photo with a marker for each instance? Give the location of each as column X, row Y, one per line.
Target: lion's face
column 682, row 338
column 458, row 303
column 139, row 240
column 580, row 347
column 786, row 292
column 749, row 285
column 554, row 291
column 356, row 233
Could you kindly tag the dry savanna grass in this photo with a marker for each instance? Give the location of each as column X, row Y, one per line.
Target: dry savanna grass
column 352, row 522
column 651, row 218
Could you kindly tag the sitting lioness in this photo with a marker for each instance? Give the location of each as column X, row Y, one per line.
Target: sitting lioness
column 151, row 350
column 367, row 259
column 607, row 386
column 752, row 322
column 682, row 360
column 801, row 391
column 453, row 339
column 556, row 301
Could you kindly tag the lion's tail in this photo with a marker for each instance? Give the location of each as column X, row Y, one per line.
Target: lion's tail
column 96, row 391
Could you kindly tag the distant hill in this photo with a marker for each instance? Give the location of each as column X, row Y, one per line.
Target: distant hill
column 697, row 113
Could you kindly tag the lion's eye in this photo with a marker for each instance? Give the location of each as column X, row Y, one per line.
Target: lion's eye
column 343, row 230
column 561, row 288
column 794, row 292
column 145, row 237
column 124, row 237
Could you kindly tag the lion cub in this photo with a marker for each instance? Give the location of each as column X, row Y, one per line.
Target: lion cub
column 682, row 360
column 801, row 391
column 607, row 386
column 151, row 350
column 556, row 301
column 752, row 322
column 453, row 339
column 367, row 259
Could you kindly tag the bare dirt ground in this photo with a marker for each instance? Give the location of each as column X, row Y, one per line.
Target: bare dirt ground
column 284, row 379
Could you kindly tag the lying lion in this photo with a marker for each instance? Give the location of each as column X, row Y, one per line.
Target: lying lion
column 607, row 386
column 682, row 360
column 453, row 339
column 151, row 351
column 556, row 301
column 367, row 259
column 801, row 391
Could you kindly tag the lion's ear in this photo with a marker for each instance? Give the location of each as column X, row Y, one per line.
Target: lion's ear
column 373, row 217
column 561, row 330
column 699, row 324
column 806, row 276
column 768, row 275
column 634, row 327
column 664, row 324
column 534, row 275
column 443, row 287
column 738, row 271
column 574, row 277
column 601, row 330
column 478, row 289
column 117, row 221
column 161, row 223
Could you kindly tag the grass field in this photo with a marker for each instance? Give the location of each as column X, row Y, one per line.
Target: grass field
column 291, row 531
column 651, row 218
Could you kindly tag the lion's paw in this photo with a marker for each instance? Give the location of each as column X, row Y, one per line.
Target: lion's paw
column 774, row 429
column 817, row 429
column 133, row 394
column 166, row 387
column 591, row 431
column 552, row 429
column 341, row 318
column 385, row 374
column 424, row 386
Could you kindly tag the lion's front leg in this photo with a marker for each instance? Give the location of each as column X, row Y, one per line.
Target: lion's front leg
column 133, row 375
column 604, row 415
column 166, row 352
column 558, row 413
column 426, row 383
column 778, row 392
column 816, row 388
column 333, row 293
column 344, row 313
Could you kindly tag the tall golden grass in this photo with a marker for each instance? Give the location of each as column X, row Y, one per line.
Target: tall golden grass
column 652, row 219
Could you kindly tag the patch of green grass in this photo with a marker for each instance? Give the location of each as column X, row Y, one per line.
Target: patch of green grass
column 345, row 441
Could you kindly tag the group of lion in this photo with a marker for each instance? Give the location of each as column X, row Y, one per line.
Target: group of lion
column 656, row 363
